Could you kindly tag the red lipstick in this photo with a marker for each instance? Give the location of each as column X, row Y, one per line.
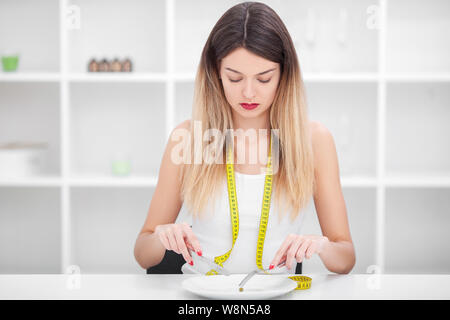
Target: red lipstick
column 249, row 106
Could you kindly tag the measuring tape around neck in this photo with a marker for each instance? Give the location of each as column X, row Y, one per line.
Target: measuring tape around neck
column 303, row 282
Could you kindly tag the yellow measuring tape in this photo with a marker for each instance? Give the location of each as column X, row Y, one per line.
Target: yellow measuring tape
column 303, row 282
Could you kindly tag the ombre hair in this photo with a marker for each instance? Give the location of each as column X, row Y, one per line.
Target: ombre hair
column 257, row 28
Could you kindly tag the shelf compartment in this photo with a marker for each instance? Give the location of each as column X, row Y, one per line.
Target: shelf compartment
column 331, row 36
column 109, row 29
column 31, row 29
column 416, row 230
column 105, row 226
column 30, row 113
column 348, row 110
column 30, row 231
column 117, row 122
column 417, row 131
column 417, row 36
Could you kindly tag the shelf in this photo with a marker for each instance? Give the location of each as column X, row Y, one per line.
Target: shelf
column 88, row 181
column 417, row 181
column 30, row 77
column 340, row 77
column 41, row 181
column 117, row 77
column 418, row 77
column 361, row 181
column 104, row 181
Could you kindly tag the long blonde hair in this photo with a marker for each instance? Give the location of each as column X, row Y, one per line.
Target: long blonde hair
column 257, row 28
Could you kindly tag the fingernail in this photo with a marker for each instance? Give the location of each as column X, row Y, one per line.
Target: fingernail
column 199, row 252
column 271, row 267
column 191, row 263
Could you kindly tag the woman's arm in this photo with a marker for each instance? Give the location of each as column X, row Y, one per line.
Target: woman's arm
column 338, row 254
column 164, row 208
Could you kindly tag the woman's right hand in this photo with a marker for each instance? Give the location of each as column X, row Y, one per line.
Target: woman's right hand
column 179, row 237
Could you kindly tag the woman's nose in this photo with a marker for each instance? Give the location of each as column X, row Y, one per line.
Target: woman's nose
column 249, row 91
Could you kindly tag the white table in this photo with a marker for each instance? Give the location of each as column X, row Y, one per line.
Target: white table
column 168, row 287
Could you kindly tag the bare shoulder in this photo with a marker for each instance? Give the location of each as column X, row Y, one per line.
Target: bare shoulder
column 180, row 130
column 186, row 124
column 323, row 144
column 177, row 138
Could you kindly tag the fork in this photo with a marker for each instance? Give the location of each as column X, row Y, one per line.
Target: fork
column 260, row 271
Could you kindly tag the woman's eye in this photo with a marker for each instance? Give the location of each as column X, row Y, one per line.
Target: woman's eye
column 262, row 81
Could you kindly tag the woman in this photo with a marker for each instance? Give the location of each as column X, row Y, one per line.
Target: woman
column 249, row 80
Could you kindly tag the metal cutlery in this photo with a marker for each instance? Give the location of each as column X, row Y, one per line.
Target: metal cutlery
column 275, row 270
column 212, row 264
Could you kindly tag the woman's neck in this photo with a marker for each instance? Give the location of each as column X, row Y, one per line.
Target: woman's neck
column 256, row 123
column 251, row 145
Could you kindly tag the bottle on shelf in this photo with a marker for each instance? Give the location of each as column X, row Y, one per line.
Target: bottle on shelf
column 116, row 66
column 10, row 61
column 104, row 66
column 121, row 163
column 93, row 66
column 127, row 66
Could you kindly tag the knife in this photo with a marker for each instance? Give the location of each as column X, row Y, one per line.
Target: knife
column 212, row 264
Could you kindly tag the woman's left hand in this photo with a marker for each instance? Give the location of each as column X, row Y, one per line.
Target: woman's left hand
column 296, row 247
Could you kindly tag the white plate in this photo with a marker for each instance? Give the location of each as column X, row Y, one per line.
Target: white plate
column 227, row 287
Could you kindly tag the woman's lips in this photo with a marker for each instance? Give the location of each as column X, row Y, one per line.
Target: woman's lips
column 249, row 106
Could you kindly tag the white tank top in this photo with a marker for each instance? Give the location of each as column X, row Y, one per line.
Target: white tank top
column 215, row 235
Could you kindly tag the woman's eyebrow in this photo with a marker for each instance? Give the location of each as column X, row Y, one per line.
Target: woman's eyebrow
column 256, row 74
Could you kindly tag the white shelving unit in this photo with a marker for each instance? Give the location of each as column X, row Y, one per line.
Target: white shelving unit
column 377, row 75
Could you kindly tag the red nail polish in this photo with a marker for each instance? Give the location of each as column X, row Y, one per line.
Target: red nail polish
column 199, row 252
column 191, row 263
column 271, row 267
